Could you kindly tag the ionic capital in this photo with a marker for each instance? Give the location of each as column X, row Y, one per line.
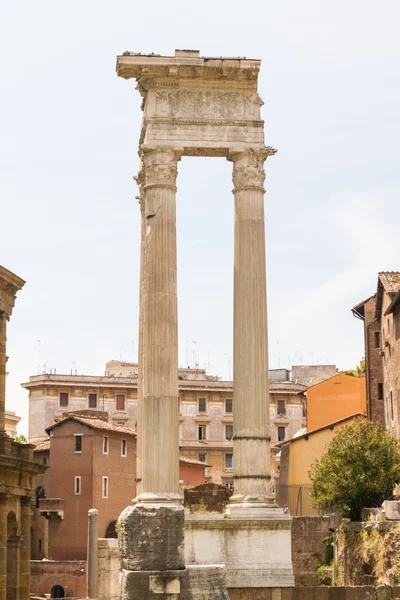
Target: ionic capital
column 248, row 168
column 158, row 169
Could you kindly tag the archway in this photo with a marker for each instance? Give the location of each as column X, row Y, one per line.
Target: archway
column 57, row 592
column 12, row 556
column 111, row 531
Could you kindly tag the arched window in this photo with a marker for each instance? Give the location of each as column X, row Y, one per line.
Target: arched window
column 57, row 592
column 39, row 493
column 111, row 531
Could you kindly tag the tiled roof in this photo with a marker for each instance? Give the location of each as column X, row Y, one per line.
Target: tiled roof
column 390, row 281
column 193, row 461
column 42, row 445
column 287, row 386
column 95, row 424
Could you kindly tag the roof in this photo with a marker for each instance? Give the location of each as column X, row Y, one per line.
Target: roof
column 390, row 282
column 42, row 445
column 286, row 386
column 94, row 424
column 340, row 374
column 329, row 426
column 193, row 461
column 358, row 310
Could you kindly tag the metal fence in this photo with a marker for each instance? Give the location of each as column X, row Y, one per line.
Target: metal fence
column 298, row 500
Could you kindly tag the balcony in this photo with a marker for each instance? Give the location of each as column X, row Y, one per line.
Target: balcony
column 51, row 508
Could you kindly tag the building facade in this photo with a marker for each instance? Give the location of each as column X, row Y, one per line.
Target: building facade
column 205, row 409
column 381, row 316
column 12, row 421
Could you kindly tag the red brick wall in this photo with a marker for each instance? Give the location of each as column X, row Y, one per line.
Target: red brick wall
column 121, row 473
column 374, row 364
column 192, row 475
column 71, row 575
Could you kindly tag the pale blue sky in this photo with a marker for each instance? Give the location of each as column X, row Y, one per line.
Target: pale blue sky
column 68, row 139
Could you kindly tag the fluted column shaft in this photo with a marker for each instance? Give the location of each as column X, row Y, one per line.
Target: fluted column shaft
column 3, row 361
column 158, row 358
column 251, row 441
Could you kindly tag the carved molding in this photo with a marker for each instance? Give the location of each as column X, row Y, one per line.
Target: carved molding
column 200, row 104
column 248, row 169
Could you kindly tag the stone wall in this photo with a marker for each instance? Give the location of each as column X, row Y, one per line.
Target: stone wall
column 316, row 593
column 211, row 496
column 109, row 568
column 308, row 548
column 369, row 553
column 70, row 575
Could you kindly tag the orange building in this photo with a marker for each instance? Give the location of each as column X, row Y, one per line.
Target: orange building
column 335, row 399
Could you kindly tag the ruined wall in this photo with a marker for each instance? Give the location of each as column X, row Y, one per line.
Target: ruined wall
column 369, row 553
column 210, row 497
column 308, row 548
column 71, row 575
column 109, row 566
column 316, row 593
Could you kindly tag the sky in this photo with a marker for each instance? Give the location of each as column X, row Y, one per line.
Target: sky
column 69, row 129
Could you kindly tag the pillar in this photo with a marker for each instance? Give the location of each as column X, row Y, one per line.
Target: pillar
column 3, row 361
column 3, row 546
column 92, row 571
column 158, row 359
column 251, row 440
column 151, row 532
column 25, row 549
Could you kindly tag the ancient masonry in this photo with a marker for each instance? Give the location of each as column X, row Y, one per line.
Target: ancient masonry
column 16, row 473
column 194, row 106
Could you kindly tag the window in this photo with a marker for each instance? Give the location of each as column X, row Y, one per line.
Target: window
column 78, row 485
column 202, row 432
column 123, row 448
column 202, row 405
column 78, row 442
column 304, row 410
column 380, row 391
column 64, row 399
column 228, row 461
column 45, row 460
column 228, row 432
column 396, row 317
column 281, row 434
column 92, row 400
column 105, row 487
column 377, row 339
column 203, row 457
column 281, row 407
column 40, row 546
column 228, row 405
column 120, row 401
column 105, row 445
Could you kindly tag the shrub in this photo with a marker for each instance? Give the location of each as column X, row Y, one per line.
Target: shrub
column 359, row 468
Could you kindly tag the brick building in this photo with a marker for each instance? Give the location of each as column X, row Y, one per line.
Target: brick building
column 205, row 409
column 366, row 311
column 381, row 316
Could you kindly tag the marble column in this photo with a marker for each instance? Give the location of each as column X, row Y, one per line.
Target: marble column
column 3, row 546
column 251, row 440
column 158, row 358
column 25, row 549
column 3, row 361
column 92, row 571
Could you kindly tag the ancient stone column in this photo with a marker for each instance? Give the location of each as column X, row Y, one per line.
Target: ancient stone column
column 3, row 546
column 251, row 440
column 3, row 361
column 151, row 532
column 25, row 549
column 158, row 359
column 92, row 571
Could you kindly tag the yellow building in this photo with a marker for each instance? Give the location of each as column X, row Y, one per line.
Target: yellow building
column 335, row 399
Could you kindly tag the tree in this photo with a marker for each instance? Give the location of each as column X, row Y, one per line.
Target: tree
column 358, row 371
column 359, row 469
column 21, row 439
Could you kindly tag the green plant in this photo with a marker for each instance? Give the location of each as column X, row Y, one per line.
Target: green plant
column 359, row 468
column 358, row 371
column 324, row 574
column 116, row 526
column 202, row 506
column 21, row 439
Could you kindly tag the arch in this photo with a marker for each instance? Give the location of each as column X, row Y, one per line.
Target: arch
column 57, row 591
column 12, row 524
column 111, row 531
column 39, row 493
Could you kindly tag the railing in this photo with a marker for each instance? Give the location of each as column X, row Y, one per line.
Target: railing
column 298, row 500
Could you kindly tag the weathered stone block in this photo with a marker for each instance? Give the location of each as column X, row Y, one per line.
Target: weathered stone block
column 151, row 538
column 391, row 509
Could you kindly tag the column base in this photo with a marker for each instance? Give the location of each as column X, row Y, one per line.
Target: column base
column 161, row 498
column 203, row 582
column 250, row 510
